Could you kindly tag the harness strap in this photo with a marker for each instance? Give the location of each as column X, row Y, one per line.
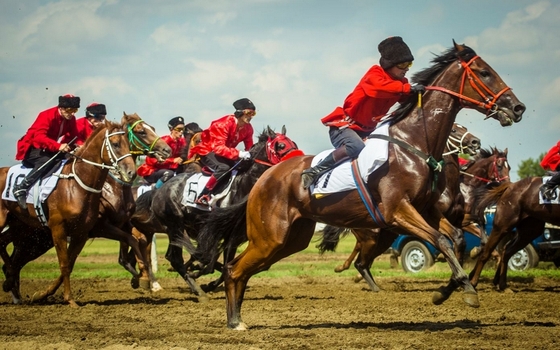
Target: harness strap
column 369, row 202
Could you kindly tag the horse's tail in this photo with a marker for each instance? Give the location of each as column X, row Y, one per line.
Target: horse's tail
column 330, row 236
column 485, row 197
column 224, row 229
column 143, row 213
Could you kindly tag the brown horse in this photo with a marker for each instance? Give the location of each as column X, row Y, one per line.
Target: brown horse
column 372, row 244
column 280, row 216
column 116, row 207
column 73, row 206
column 517, row 207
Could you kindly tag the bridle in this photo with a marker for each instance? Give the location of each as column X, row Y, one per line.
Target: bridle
column 455, row 145
column 141, row 148
column 489, row 97
column 495, row 173
column 286, row 150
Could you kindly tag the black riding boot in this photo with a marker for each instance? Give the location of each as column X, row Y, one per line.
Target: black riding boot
column 310, row 175
column 20, row 190
column 548, row 189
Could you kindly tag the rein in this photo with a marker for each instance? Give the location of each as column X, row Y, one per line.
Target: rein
column 496, row 173
column 478, row 85
column 114, row 160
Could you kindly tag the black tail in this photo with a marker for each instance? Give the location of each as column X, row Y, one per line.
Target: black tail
column 331, row 235
column 224, row 229
column 143, row 212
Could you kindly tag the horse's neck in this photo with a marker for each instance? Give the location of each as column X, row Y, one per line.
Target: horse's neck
column 478, row 170
column 91, row 175
column 428, row 128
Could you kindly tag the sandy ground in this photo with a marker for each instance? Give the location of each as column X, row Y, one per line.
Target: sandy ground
column 328, row 312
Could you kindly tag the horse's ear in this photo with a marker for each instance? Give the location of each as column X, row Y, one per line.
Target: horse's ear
column 124, row 119
column 505, row 151
column 283, row 129
column 269, row 131
column 458, row 47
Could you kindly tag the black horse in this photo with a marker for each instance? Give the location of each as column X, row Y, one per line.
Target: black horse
column 162, row 210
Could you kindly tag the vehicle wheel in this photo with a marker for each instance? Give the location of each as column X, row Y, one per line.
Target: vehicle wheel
column 524, row 259
column 415, row 257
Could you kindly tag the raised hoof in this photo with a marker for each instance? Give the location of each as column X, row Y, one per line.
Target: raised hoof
column 134, row 282
column 145, row 283
column 339, row 269
column 440, row 296
column 471, row 299
column 358, row 278
column 73, row 304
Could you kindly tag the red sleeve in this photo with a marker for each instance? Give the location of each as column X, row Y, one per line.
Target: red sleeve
column 377, row 83
column 551, row 161
column 248, row 140
column 219, row 133
column 40, row 131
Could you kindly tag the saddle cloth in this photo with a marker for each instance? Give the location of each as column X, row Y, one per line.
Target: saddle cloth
column 546, row 201
column 39, row 192
column 194, row 186
column 371, row 158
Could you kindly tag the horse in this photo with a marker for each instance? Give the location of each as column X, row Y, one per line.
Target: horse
column 460, row 141
column 451, row 204
column 116, row 207
column 161, row 210
column 73, row 206
column 279, row 215
column 517, row 208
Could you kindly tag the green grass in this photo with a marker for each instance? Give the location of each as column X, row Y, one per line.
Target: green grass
column 99, row 260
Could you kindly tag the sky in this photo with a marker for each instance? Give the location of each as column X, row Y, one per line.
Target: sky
column 296, row 60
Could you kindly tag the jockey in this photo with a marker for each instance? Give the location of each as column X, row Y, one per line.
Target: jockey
column 43, row 141
column 379, row 89
column 551, row 162
column 158, row 173
column 95, row 116
column 217, row 146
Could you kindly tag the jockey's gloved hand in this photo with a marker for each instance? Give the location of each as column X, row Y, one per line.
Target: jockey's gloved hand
column 244, row 155
column 417, row 88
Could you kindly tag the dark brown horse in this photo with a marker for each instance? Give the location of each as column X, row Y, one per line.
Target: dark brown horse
column 517, row 207
column 369, row 245
column 73, row 206
column 279, row 216
column 162, row 210
column 116, row 207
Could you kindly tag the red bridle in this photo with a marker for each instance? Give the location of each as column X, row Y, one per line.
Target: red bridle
column 477, row 84
column 289, row 150
column 495, row 172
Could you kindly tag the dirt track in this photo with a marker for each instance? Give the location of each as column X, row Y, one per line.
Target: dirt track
column 300, row 313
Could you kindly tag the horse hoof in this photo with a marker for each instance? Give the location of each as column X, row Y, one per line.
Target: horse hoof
column 440, row 296
column 240, row 327
column 73, row 304
column 358, row 279
column 15, row 300
column 471, row 299
column 339, row 269
column 203, row 298
column 145, row 283
column 156, row 287
column 134, row 283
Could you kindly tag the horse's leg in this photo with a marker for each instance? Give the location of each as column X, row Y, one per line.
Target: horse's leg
column 373, row 244
column 410, row 220
column 349, row 260
column 268, row 243
column 527, row 230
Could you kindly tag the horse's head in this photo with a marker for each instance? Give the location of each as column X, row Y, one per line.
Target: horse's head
column 490, row 166
column 460, row 140
column 273, row 147
column 108, row 148
column 143, row 138
column 486, row 91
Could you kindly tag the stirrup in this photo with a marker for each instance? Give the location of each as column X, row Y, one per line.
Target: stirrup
column 21, row 198
column 549, row 193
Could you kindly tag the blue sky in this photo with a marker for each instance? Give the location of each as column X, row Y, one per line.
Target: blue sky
column 297, row 60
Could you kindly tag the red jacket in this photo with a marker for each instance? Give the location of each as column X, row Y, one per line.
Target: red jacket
column 222, row 137
column 372, row 98
column 151, row 165
column 46, row 132
column 84, row 129
column 551, row 160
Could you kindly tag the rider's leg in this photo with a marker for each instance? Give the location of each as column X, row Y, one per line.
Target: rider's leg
column 548, row 189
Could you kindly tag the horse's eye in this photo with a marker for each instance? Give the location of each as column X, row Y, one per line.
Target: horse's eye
column 484, row 73
column 280, row 146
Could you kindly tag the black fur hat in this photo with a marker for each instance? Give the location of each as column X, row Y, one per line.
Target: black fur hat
column 96, row 110
column 244, row 103
column 68, row 101
column 393, row 51
column 175, row 121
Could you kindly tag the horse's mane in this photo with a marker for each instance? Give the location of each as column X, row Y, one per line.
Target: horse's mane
column 109, row 125
column 428, row 75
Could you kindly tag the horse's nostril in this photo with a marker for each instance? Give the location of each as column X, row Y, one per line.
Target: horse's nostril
column 520, row 109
